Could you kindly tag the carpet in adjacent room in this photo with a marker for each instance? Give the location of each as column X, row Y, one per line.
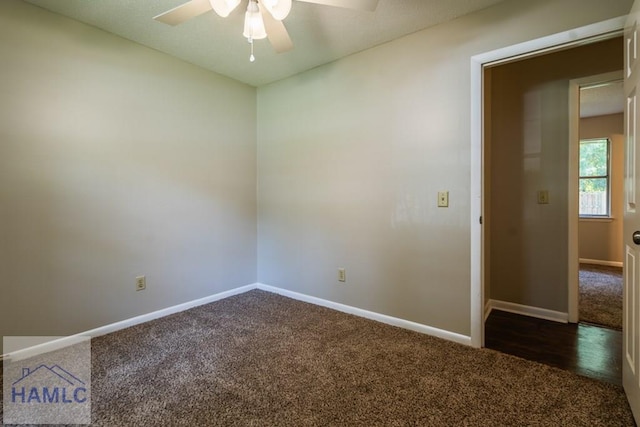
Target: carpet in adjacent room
column 600, row 299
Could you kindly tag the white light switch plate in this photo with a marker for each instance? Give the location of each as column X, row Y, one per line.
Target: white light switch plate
column 443, row 199
column 543, row 197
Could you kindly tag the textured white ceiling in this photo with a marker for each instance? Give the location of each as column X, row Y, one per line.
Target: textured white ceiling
column 320, row 34
column 602, row 100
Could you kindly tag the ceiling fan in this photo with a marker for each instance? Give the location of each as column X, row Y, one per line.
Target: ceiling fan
column 263, row 18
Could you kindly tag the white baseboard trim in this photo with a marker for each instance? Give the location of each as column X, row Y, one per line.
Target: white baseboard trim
column 526, row 310
column 487, row 309
column 383, row 318
column 600, row 262
column 113, row 327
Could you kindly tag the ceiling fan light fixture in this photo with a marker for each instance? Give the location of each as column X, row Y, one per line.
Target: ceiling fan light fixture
column 253, row 23
column 224, row 7
column 279, row 9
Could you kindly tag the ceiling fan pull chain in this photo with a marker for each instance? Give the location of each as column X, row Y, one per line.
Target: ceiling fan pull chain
column 251, row 57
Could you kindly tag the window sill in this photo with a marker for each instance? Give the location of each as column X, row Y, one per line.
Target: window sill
column 597, row 218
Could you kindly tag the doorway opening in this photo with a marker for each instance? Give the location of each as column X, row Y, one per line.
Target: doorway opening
column 527, row 202
column 596, row 172
column 575, row 37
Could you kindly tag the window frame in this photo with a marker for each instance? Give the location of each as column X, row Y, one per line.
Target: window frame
column 607, row 177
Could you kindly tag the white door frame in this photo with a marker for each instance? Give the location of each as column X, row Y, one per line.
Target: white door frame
column 574, row 175
column 547, row 44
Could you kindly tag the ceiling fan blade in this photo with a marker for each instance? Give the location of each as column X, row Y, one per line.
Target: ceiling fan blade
column 276, row 32
column 368, row 5
column 184, row 12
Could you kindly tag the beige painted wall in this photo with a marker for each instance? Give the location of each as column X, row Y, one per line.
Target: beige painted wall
column 115, row 161
column 530, row 140
column 351, row 156
column 601, row 240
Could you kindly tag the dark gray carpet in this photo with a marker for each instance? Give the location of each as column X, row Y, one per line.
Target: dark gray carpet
column 259, row 359
column 601, row 295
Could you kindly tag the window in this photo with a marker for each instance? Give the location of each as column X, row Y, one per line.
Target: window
column 594, row 178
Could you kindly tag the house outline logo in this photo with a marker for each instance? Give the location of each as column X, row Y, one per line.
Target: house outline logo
column 56, row 370
column 69, row 388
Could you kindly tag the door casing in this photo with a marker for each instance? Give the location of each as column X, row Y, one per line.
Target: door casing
column 576, row 37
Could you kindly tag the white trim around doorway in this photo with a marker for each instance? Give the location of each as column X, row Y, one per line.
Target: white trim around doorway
column 554, row 42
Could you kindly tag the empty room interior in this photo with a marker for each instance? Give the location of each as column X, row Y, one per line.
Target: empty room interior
column 286, row 230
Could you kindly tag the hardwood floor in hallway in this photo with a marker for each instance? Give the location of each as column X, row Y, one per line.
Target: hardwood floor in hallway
column 584, row 349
